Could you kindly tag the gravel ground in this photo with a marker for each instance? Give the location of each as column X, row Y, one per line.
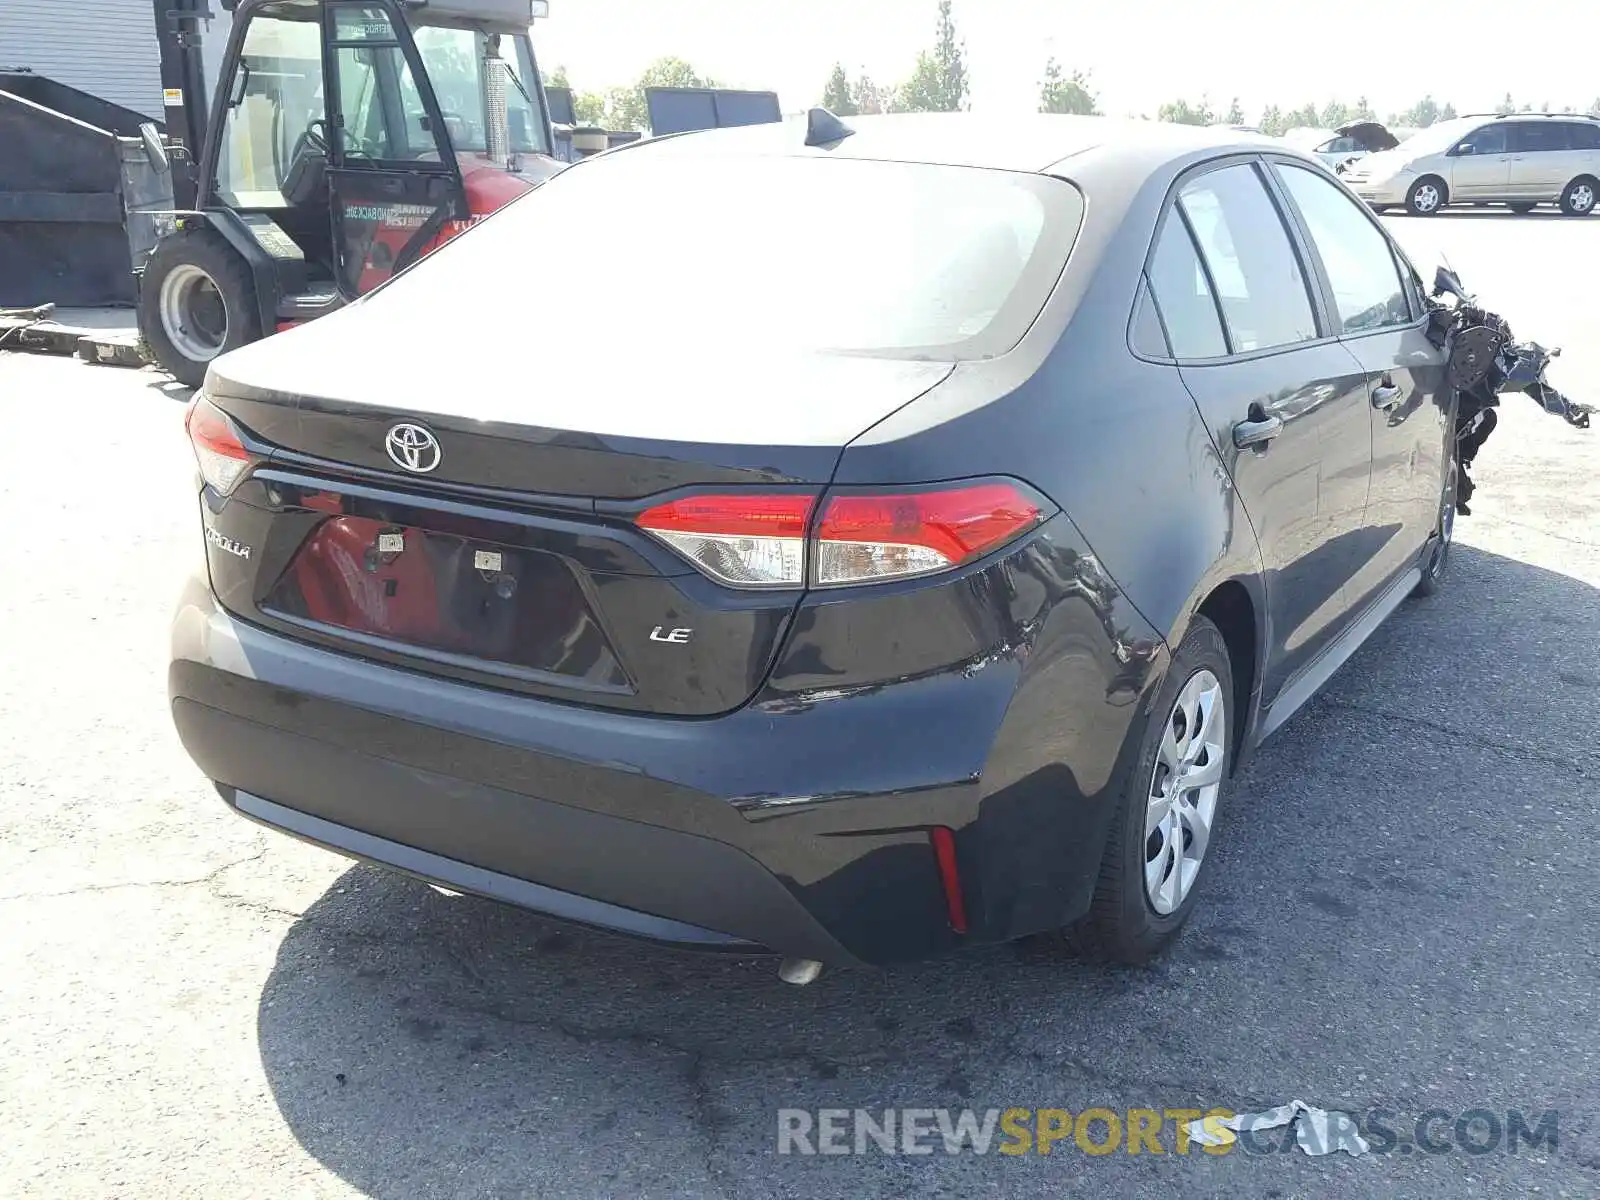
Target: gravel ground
column 1402, row 918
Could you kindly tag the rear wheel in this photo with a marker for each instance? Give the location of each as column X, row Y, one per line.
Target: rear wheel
column 1522, row 206
column 196, row 301
column 1578, row 200
column 1427, row 196
column 1156, row 853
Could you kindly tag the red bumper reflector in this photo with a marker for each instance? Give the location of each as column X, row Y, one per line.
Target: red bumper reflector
column 944, row 849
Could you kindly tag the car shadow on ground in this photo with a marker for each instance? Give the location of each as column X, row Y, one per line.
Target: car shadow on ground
column 1477, row 214
column 419, row 1044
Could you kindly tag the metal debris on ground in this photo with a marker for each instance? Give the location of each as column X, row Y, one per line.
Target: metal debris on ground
column 1317, row 1130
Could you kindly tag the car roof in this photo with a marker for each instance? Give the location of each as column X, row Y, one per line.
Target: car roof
column 1032, row 142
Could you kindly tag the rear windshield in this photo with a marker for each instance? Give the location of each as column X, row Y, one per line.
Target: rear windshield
column 794, row 254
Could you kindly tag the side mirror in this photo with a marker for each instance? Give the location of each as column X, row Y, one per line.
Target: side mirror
column 1446, row 280
column 155, row 151
column 1466, row 148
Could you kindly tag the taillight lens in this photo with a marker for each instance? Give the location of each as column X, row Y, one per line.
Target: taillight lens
column 743, row 540
column 217, row 448
column 759, row 540
column 871, row 536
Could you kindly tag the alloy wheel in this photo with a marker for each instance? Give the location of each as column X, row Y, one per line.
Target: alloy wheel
column 1581, row 198
column 1184, row 785
column 1426, row 198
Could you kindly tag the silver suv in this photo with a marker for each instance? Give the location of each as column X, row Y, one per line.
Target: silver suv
column 1522, row 159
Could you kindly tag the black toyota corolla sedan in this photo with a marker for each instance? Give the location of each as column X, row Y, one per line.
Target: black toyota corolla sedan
column 853, row 544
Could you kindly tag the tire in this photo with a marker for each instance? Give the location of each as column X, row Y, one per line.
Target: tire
column 1427, row 196
column 1578, row 197
column 1125, row 923
column 197, row 300
column 1438, row 560
column 1522, row 207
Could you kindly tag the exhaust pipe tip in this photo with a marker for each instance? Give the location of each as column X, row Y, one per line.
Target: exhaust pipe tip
column 799, row 971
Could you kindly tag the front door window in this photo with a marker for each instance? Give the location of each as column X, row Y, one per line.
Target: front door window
column 274, row 108
column 391, row 187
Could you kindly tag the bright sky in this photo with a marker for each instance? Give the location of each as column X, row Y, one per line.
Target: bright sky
column 1139, row 52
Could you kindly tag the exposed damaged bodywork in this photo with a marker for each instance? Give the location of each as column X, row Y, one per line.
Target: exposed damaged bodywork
column 1484, row 363
column 1372, row 136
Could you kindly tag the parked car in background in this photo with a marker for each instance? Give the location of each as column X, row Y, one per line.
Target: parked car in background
column 946, row 509
column 1338, row 148
column 1521, row 160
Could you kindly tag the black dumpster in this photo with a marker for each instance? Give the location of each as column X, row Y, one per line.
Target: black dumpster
column 679, row 110
column 76, row 191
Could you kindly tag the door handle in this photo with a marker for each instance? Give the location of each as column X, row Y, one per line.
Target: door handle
column 1258, row 430
column 1385, row 396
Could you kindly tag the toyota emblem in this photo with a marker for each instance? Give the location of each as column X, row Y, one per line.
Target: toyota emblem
column 413, row 448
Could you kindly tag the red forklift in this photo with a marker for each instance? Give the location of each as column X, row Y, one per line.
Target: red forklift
column 345, row 139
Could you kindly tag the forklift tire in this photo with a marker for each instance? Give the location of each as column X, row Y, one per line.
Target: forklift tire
column 197, row 299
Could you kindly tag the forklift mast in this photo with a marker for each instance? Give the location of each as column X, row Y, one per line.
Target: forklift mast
column 186, row 98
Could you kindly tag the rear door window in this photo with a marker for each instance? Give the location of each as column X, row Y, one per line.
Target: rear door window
column 1147, row 336
column 1531, row 137
column 1583, row 135
column 1183, row 295
column 1355, row 255
column 1253, row 263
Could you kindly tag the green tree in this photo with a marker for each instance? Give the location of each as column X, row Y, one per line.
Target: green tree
column 868, row 97
column 1272, row 121
column 1594, row 107
column 625, row 107
column 1421, row 114
column 1333, row 115
column 837, row 96
column 938, row 83
column 1235, row 114
column 1447, row 112
column 1508, row 105
column 1181, row 112
column 1059, row 93
column 589, row 108
column 1302, row 118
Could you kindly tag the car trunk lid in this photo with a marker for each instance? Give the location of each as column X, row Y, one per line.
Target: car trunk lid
column 593, row 419
column 514, row 560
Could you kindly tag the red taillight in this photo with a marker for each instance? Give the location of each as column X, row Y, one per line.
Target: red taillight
column 871, row 536
column 743, row 540
column 863, row 537
column 222, row 457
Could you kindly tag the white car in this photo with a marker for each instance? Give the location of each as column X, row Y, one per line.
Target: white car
column 1338, row 148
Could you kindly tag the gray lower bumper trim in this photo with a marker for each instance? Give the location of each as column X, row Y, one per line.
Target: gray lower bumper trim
column 463, row 877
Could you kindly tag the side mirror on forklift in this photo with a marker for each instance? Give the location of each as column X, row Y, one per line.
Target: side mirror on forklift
column 155, row 150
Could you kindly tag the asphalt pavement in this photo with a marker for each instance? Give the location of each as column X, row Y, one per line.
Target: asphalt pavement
column 1403, row 915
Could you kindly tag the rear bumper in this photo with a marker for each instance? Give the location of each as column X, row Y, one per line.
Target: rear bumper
column 799, row 825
